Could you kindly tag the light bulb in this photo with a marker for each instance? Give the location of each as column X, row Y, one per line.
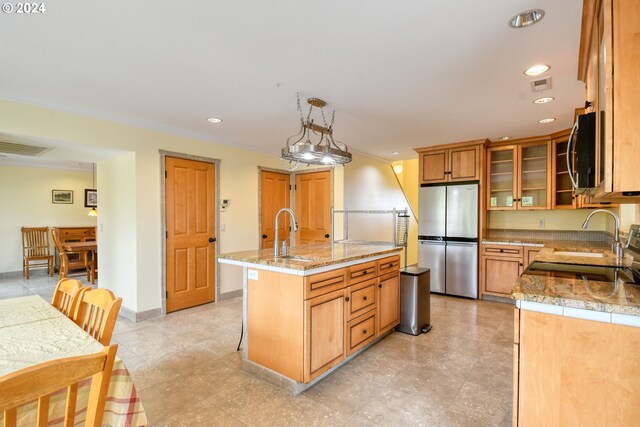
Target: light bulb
column 93, row 212
column 307, row 156
column 327, row 159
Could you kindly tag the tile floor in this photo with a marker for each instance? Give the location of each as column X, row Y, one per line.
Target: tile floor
column 188, row 373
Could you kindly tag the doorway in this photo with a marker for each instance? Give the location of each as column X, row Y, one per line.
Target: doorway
column 190, row 195
column 311, row 196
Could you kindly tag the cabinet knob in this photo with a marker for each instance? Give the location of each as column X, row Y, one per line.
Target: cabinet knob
column 501, row 250
column 364, row 272
column 364, row 298
column 521, row 264
column 346, row 299
column 380, row 285
column 364, row 332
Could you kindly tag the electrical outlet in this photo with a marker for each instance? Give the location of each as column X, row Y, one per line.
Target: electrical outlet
column 541, row 223
column 252, row 274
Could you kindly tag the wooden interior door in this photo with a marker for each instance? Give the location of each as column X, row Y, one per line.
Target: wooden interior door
column 313, row 207
column 190, row 216
column 275, row 189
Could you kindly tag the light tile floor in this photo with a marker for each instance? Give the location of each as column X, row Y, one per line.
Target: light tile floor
column 188, row 373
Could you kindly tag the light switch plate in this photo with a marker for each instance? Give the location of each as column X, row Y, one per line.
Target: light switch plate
column 252, row 274
column 541, row 223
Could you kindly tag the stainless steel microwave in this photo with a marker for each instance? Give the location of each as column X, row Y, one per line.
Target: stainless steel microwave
column 581, row 153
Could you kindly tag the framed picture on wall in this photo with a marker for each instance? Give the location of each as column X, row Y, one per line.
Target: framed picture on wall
column 62, row 196
column 90, row 198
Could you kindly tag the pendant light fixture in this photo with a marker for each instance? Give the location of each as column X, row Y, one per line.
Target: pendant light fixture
column 93, row 211
column 324, row 151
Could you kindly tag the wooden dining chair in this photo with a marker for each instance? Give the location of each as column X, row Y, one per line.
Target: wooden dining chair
column 35, row 249
column 67, row 295
column 40, row 381
column 97, row 313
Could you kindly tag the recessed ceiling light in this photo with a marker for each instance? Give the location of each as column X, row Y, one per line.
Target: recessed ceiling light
column 504, row 138
column 546, row 120
column 526, row 18
column 543, row 100
column 214, row 120
column 536, row 70
column 394, row 153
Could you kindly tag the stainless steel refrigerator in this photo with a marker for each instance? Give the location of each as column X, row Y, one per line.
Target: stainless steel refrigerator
column 448, row 237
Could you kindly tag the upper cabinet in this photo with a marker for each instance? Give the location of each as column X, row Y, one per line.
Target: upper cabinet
column 518, row 176
column 609, row 61
column 451, row 162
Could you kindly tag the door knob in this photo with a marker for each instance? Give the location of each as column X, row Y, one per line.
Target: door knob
column 326, row 235
column 212, row 239
column 264, row 236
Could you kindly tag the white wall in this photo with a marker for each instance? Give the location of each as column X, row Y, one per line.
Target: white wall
column 116, row 217
column 26, row 202
column 372, row 184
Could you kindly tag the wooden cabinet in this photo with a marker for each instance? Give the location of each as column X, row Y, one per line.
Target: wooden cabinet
column 574, row 372
column 500, row 267
column 301, row 327
column 518, row 176
column 388, row 302
column 74, row 234
column 451, row 162
column 608, row 64
column 325, row 344
column 530, row 253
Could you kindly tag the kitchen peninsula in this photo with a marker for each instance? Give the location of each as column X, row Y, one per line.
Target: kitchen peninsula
column 310, row 311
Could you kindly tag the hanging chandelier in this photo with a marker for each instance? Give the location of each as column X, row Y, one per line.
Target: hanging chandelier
column 322, row 150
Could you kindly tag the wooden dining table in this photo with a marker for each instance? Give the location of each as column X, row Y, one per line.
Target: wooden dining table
column 90, row 248
column 31, row 332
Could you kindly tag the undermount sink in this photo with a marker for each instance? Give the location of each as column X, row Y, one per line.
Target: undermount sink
column 580, row 254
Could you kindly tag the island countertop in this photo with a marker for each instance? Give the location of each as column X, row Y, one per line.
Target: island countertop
column 606, row 296
column 304, row 258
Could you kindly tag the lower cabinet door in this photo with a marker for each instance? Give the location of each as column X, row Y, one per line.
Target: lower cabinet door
column 324, row 333
column 499, row 274
column 361, row 331
column 388, row 302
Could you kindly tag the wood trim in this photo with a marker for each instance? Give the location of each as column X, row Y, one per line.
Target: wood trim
column 589, row 8
column 452, row 145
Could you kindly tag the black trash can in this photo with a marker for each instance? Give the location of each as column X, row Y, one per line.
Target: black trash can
column 415, row 300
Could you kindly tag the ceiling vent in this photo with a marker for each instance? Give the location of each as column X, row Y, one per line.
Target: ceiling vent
column 22, row 149
column 541, row 84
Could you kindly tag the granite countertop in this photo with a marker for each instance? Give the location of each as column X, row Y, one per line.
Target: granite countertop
column 578, row 292
column 309, row 257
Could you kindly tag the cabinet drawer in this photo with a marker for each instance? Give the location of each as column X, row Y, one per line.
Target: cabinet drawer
column 319, row 284
column 361, row 298
column 361, row 331
column 389, row 264
column 502, row 249
column 361, row 272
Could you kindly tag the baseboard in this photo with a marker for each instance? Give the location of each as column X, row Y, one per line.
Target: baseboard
column 231, row 294
column 498, row 299
column 139, row 316
column 12, row 274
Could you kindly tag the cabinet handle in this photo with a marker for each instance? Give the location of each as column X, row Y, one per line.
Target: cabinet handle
column 380, row 285
column 501, row 250
column 346, row 299
column 364, row 298
column 521, row 264
column 364, row 272
column 364, row 332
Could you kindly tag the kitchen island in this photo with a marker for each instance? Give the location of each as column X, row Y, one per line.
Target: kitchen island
column 309, row 312
column 576, row 340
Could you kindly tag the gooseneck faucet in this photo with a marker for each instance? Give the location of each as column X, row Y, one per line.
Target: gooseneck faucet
column 617, row 246
column 277, row 238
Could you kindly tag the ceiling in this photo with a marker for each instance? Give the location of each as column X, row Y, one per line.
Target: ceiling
column 400, row 75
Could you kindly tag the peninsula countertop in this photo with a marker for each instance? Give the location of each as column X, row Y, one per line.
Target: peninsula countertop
column 607, row 296
column 304, row 258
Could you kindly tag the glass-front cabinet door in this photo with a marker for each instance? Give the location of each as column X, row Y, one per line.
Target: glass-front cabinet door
column 534, row 179
column 502, row 183
column 562, row 194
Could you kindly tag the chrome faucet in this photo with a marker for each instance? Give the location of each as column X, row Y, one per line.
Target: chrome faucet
column 616, row 248
column 277, row 238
